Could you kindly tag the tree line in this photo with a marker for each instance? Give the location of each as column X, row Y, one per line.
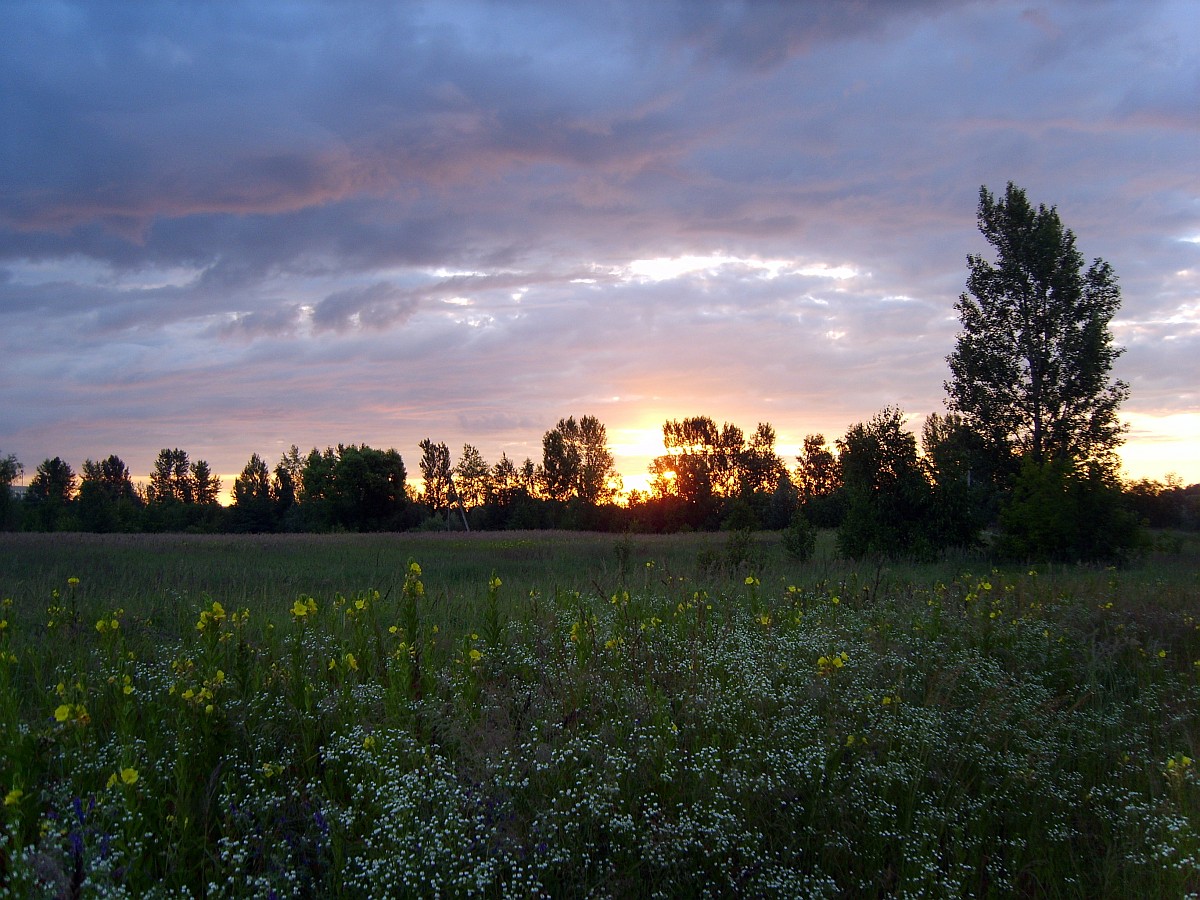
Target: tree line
column 1025, row 451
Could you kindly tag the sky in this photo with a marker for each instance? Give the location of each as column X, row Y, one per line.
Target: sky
column 234, row 227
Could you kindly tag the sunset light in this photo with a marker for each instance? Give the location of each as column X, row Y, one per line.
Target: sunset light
column 757, row 214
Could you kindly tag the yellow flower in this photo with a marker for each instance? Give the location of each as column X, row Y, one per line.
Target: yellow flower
column 13, row 797
column 475, row 655
column 764, row 619
column 62, row 712
column 495, row 582
column 414, row 570
column 127, row 776
column 751, row 580
column 72, row 581
column 369, row 742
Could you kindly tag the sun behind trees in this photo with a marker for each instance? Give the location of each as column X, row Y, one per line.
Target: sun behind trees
column 1024, row 452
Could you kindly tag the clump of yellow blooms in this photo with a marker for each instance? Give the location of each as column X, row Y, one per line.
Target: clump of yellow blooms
column 303, row 608
column 827, row 665
column 202, row 695
column 211, row 619
column 1178, row 767
column 127, row 776
column 72, row 711
column 111, row 623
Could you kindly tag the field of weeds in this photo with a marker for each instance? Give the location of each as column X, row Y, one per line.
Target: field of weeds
column 583, row 715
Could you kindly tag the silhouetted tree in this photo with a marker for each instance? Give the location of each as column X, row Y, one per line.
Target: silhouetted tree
column 53, row 482
column 576, row 462
column 819, row 481
column 254, row 503
column 286, row 486
column 759, row 467
column 108, row 498
column 890, row 510
column 206, row 486
column 437, row 475
column 10, row 471
column 1031, row 371
column 171, row 478
column 356, row 488
column 963, row 475
column 50, row 491
column 472, row 477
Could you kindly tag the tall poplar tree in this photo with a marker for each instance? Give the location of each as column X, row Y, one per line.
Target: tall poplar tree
column 1031, row 372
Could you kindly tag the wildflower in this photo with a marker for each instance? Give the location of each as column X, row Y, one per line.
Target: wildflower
column 211, row 618
column 303, row 607
column 827, row 665
column 475, row 655
column 751, row 580
column 126, row 776
column 1178, row 766
column 72, row 581
column 764, row 619
column 13, row 797
column 494, row 583
column 62, row 712
column 414, row 570
column 369, row 742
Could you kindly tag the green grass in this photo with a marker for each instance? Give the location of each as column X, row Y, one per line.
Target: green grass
column 616, row 716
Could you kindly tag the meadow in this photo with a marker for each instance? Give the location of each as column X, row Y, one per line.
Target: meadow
column 582, row 715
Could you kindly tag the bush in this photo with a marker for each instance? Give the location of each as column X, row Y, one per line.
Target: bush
column 800, row 538
column 1060, row 510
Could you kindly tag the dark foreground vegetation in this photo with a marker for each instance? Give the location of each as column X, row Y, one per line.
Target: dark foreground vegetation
column 590, row 715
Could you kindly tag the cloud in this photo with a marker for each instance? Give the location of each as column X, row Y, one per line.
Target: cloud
column 230, row 227
column 375, row 306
